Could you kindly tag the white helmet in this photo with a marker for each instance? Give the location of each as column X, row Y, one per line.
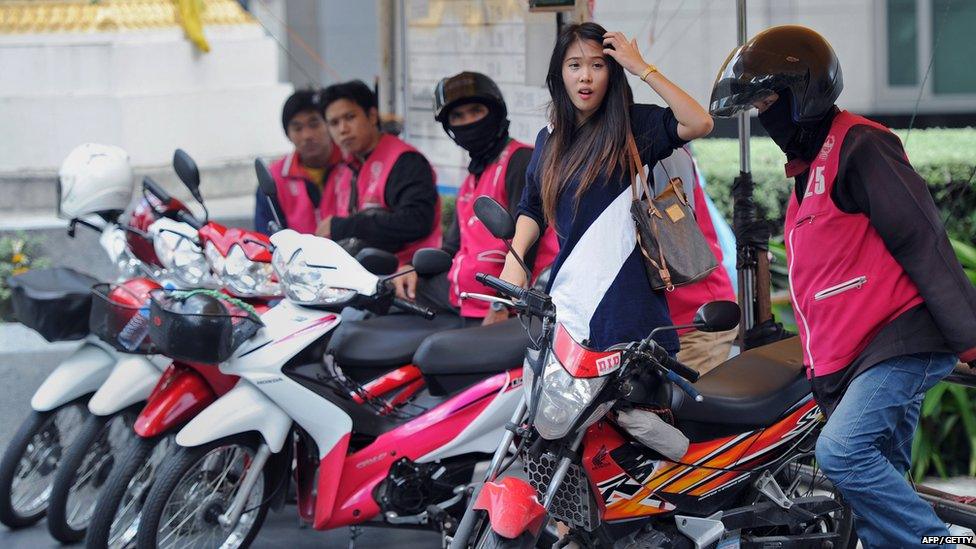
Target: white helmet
column 94, row 178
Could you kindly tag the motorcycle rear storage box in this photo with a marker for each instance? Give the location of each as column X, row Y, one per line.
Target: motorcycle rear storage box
column 55, row 302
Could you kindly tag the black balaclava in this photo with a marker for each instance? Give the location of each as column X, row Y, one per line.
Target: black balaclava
column 484, row 140
column 796, row 140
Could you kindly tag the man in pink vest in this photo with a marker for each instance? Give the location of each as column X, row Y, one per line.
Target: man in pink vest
column 472, row 111
column 383, row 194
column 883, row 306
column 300, row 174
column 701, row 351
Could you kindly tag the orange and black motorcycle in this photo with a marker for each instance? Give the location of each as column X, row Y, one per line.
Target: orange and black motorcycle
column 747, row 479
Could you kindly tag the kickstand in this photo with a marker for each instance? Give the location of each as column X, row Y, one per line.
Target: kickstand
column 354, row 532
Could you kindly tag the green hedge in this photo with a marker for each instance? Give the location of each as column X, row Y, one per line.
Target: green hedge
column 945, row 158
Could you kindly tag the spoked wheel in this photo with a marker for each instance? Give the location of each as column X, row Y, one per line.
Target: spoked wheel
column 31, row 459
column 83, row 472
column 193, row 490
column 116, row 518
column 800, row 477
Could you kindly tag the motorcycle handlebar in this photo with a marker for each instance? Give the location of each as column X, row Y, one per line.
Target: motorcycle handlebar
column 182, row 215
column 507, row 288
column 413, row 308
column 672, row 363
column 685, row 386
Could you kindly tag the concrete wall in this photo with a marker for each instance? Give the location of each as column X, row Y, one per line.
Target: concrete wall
column 496, row 37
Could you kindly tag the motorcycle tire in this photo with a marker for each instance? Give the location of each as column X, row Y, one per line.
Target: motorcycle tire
column 181, row 471
column 86, row 466
column 39, row 433
column 486, row 538
column 125, row 491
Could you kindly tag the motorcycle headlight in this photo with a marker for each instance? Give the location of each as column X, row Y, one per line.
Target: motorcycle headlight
column 563, row 398
column 307, row 284
column 244, row 277
column 182, row 258
column 214, row 258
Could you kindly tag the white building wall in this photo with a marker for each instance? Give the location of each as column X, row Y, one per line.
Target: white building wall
column 148, row 92
column 495, row 37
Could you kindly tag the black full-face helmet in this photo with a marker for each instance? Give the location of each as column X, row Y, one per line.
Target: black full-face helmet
column 466, row 87
column 785, row 57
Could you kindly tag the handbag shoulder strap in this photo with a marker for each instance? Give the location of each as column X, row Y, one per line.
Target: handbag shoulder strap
column 638, row 168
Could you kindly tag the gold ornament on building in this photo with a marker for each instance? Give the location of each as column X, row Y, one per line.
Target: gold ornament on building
column 81, row 16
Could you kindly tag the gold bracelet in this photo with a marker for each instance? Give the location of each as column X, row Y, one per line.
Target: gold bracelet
column 649, row 70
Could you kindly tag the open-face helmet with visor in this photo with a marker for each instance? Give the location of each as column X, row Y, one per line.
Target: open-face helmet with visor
column 784, row 57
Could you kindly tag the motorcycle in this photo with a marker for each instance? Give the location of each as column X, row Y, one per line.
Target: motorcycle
column 57, row 303
column 747, row 478
column 407, row 466
column 118, row 318
column 240, row 261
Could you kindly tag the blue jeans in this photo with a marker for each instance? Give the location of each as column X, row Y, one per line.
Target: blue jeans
column 865, row 449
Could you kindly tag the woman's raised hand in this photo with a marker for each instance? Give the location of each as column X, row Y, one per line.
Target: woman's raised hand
column 625, row 52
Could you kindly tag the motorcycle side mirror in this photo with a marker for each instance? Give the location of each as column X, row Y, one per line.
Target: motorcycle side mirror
column 188, row 172
column 495, row 217
column 270, row 191
column 431, row 261
column 265, row 180
column 500, row 224
column 378, row 262
column 717, row 316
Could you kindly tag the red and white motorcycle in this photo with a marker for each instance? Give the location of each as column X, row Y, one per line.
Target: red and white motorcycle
column 95, row 187
column 353, row 464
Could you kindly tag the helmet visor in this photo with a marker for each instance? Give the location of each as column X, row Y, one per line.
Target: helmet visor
column 748, row 76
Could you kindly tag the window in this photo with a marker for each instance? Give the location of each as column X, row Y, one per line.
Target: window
column 902, row 43
column 911, row 34
column 952, row 67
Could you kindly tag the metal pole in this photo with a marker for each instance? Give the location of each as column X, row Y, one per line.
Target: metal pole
column 744, row 130
column 747, row 283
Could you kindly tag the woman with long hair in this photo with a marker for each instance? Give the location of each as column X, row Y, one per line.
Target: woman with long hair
column 579, row 181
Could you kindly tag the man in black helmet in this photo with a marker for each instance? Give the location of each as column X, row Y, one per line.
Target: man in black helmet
column 472, row 111
column 882, row 304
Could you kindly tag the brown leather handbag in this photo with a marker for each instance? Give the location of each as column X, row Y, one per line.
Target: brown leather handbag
column 674, row 248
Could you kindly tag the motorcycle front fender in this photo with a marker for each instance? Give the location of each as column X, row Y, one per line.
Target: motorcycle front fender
column 242, row 409
column 180, row 394
column 83, row 372
column 512, row 506
column 132, row 380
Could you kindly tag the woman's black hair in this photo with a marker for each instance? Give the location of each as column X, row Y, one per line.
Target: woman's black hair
column 598, row 145
column 355, row 90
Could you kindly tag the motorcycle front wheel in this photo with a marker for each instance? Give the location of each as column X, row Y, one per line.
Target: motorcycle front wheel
column 194, row 487
column 486, row 538
column 116, row 518
column 83, row 471
column 31, row 460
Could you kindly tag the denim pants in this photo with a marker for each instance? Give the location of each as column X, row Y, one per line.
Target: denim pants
column 865, row 449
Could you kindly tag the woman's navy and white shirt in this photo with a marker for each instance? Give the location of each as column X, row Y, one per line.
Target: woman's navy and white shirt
column 598, row 282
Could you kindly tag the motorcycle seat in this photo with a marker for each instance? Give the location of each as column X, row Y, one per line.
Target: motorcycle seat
column 384, row 341
column 754, row 388
column 454, row 358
